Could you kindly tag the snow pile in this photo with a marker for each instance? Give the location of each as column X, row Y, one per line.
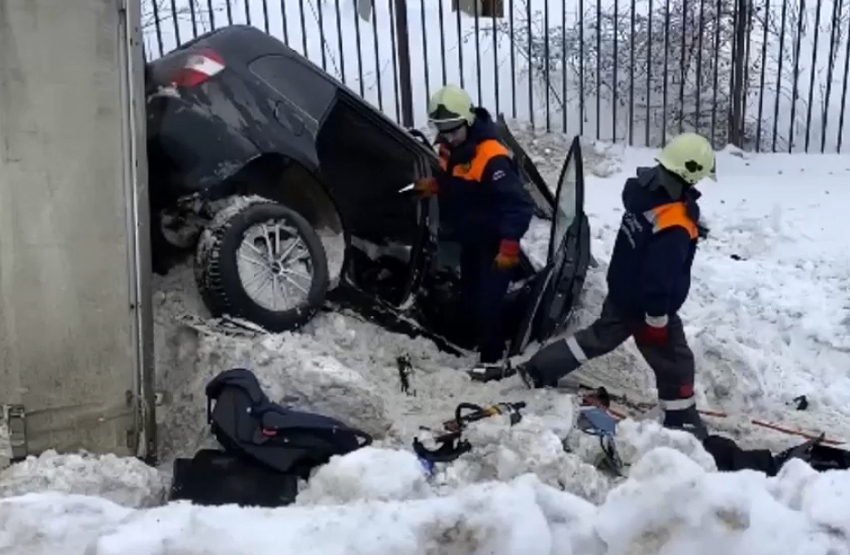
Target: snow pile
column 50, row 523
column 368, row 474
column 122, row 480
column 637, row 438
column 670, row 505
column 548, row 151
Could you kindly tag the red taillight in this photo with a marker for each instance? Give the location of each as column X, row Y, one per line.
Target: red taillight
column 199, row 67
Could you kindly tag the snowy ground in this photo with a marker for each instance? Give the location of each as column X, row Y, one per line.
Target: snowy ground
column 767, row 318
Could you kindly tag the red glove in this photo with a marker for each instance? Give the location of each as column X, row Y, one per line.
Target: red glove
column 426, row 187
column 653, row 332
column 508, row 256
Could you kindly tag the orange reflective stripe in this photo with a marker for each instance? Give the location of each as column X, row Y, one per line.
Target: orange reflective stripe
column 669, row 215
column 486, row 151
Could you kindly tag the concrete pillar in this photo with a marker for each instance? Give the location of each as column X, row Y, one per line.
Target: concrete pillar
column 75, row 318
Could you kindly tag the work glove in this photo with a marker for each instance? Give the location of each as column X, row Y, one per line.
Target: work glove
column 508, row 256
column 426, row 187
column 653, row 331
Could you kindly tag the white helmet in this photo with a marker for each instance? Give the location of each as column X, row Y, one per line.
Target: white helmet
column 689, row 156
column 449, row 108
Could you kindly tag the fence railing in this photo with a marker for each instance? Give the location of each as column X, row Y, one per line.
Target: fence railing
column 765, row 75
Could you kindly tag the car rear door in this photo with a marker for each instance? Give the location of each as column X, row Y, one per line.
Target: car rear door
column 557, row 286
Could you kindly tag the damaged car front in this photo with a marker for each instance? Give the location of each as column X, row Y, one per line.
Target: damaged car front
column 280, row 156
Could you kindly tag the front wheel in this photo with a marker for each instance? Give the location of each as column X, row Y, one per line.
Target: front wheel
column 263, row 262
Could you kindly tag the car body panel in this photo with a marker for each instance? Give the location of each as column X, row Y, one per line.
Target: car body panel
column 257, row 106
column 178, row 167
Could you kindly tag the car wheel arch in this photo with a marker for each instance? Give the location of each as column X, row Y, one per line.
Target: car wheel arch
column 283, row 179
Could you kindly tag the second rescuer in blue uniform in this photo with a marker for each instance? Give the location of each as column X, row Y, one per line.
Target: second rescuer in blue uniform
column 648, row 281
column 484, row 198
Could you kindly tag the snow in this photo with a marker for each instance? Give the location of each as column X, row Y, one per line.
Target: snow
column 767, row 319
column 122, row 480
column 669, row 505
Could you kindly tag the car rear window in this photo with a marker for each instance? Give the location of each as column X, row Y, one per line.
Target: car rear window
column 297, row 82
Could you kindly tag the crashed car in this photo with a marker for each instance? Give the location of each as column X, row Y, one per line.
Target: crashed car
column 269, row 160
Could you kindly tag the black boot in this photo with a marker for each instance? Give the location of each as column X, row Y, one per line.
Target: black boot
column 686, row 419
column 548, row 365
column 530, row 376
column 802, row 452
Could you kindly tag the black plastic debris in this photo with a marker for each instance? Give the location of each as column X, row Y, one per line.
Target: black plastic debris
column 405, row 371
column 802, row 402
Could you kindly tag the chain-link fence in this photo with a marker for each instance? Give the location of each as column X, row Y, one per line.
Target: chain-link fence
column 767, row 75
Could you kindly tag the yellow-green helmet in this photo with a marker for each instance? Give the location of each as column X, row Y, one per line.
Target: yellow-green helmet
column 450, row 107
column 689, row 156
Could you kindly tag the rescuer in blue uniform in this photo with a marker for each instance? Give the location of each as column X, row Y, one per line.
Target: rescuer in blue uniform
column 648, row 281
column 483, row 197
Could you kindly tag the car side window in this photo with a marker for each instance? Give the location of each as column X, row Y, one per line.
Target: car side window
column 565, row 212
column 300, row 85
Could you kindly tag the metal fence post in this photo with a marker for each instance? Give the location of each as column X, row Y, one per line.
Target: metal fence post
column 736, row 125
column 403, row 45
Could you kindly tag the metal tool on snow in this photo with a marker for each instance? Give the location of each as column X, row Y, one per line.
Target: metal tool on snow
column 452, row 444
column 405, row 370
column 594, row 419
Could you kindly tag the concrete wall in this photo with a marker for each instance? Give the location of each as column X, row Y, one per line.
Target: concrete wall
column 75, row 328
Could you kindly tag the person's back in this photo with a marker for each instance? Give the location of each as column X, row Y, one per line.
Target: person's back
column 650, row 268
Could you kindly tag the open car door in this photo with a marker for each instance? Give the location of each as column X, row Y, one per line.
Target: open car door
column 558, row 285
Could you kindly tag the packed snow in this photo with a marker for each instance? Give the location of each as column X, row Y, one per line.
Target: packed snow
column 767, row 318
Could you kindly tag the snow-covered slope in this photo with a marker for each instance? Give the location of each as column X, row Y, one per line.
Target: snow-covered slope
column 767, row 318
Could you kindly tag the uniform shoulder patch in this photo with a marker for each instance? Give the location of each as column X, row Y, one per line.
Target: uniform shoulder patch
column 671, row 215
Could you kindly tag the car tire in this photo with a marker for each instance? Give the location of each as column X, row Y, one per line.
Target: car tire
column 231, row 248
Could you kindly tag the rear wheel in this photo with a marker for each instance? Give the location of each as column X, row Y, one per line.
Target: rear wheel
column 263, row 262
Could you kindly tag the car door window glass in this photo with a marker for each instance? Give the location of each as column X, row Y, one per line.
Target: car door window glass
column 565, row 211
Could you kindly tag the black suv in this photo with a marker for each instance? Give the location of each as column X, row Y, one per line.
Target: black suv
column 266, row 156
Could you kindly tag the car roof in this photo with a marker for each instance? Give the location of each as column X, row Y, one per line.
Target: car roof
column 246, row 43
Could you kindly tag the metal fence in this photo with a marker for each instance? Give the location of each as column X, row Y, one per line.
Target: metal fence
column 765, row 75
